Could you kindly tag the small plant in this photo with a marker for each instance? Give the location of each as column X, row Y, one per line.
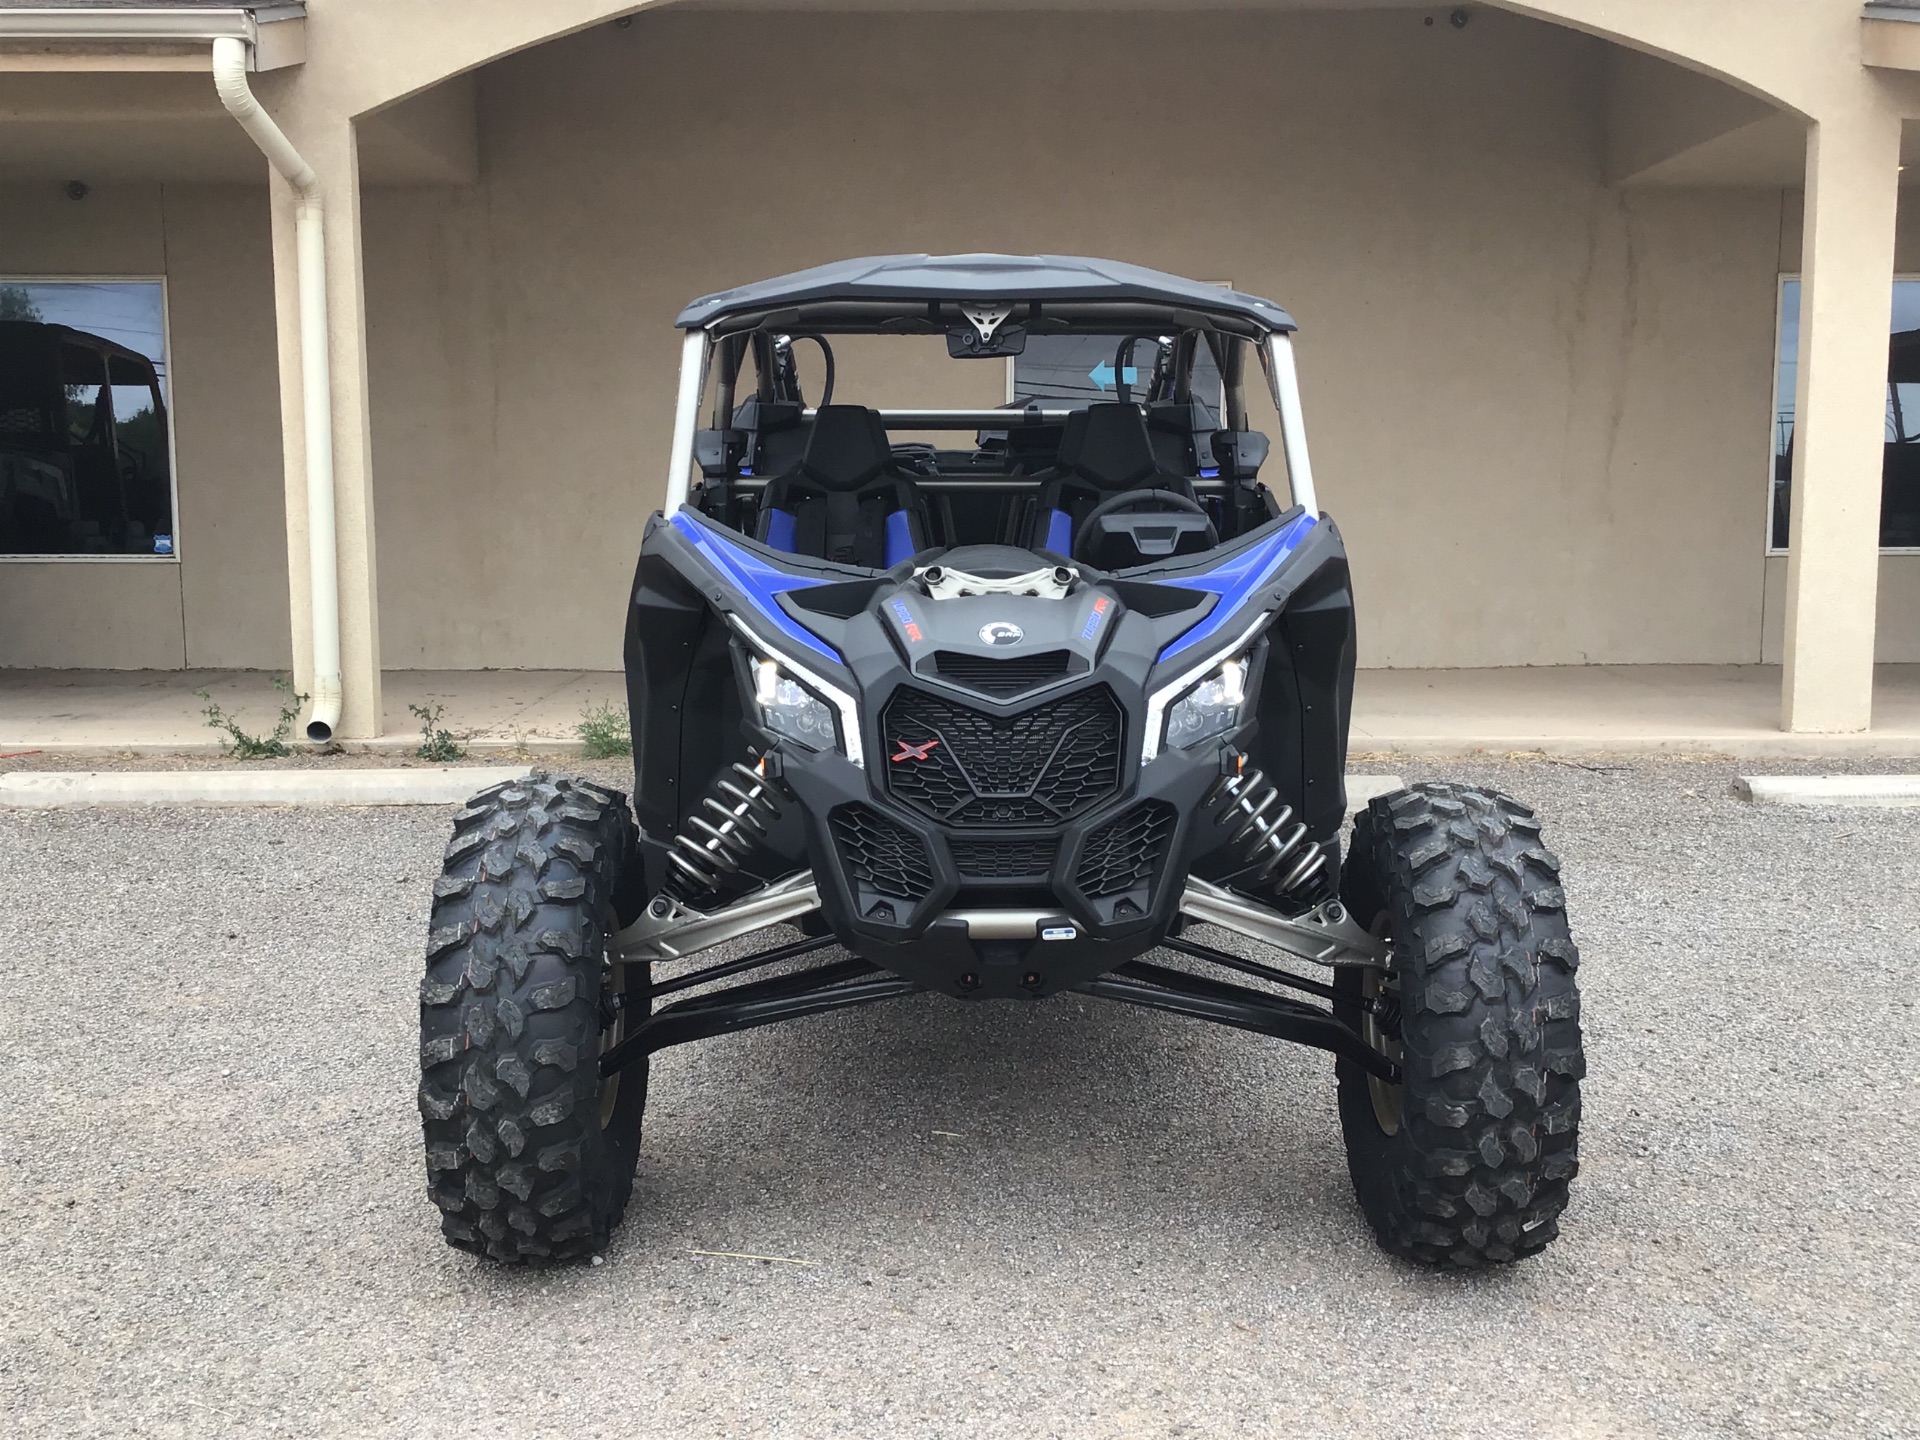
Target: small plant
column 435, row 743
column 243, row 746
column 604, row 732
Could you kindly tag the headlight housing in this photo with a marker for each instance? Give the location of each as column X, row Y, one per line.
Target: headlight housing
column 1212, row 707
column 790, row 710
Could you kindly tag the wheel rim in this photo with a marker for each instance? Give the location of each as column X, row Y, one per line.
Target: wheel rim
column 1386, row 1097
column 610, row 1036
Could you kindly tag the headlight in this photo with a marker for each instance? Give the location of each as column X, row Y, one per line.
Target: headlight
column 1213, row 707
column 786, row 708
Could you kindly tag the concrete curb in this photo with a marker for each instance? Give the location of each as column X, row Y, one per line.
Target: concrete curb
column 1362, row 788
column 65, row 789
column 1877, row 790
column 55, row 789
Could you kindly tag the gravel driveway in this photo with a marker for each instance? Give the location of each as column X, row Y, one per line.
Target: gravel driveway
column 1067, row 1219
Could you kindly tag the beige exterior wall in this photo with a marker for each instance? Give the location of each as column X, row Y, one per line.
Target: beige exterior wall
column 1539, row 406
column 1539, row 403
column 224, row 601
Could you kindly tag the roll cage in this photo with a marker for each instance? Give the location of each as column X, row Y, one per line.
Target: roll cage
column 741, row 344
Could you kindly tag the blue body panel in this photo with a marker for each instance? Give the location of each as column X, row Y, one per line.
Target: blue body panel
column 757, row 582
column 1059, row 532
column 1235, row 580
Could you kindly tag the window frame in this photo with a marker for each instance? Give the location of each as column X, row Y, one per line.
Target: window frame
column 1770, row 551
column 173, row 444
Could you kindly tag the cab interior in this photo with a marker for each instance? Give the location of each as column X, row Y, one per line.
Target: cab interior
column 1148, row 458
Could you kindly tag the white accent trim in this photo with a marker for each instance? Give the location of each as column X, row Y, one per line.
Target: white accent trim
column 1160, row 699
column 694, row 352
column 1285, row 378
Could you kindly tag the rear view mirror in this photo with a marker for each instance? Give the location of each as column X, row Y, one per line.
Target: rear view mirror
column 966, row 344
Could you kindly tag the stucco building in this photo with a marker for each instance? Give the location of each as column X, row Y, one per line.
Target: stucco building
column 1582, row 285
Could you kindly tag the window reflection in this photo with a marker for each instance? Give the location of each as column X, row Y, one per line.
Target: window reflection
column 1900, row 470
column 85, row 463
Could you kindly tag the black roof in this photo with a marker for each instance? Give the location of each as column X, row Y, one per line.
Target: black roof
column 856, row 290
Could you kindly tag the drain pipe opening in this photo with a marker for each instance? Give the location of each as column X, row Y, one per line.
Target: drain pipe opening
column 316, row 381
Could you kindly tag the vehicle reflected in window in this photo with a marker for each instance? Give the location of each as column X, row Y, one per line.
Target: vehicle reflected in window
column 85, row 459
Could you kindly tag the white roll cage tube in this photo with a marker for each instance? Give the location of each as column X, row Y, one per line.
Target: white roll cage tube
column 1283, row 380
column 694, row 351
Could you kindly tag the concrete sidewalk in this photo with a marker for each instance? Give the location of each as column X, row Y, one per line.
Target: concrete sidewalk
column 1728, row 710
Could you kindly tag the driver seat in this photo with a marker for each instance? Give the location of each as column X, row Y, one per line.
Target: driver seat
column 1106, row 451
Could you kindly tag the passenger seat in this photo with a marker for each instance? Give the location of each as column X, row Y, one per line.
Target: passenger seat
column 845, row 501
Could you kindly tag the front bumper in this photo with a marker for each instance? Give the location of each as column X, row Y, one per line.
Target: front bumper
column 907, row 893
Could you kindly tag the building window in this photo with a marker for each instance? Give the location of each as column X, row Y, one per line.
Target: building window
column 86, row 456
column 1077, row 370
column 1900, row 471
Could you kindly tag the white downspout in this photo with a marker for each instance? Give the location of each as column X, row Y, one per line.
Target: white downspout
column 316, row 381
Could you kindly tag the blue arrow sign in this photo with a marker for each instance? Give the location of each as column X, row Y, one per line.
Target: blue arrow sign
column 1102, row 375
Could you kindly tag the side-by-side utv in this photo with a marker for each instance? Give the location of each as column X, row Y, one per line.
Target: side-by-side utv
column 1036, row 694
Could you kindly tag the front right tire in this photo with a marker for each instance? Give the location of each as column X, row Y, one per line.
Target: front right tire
column 1466, row 1162
column 530, row 1152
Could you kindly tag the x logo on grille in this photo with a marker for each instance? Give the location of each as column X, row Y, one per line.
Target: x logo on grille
column 910, row 751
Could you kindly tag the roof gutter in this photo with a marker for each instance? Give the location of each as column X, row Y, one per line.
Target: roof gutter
column 149, row 37
column 230, row 55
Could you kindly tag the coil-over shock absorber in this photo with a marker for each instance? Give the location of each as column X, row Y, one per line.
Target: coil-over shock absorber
column 722, row 831
column 1272, row 847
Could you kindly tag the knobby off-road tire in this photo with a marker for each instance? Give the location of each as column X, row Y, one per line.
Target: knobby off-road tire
column 1467, row 1162
column 530, row 1155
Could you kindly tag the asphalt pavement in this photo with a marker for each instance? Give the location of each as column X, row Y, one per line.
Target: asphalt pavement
column 1064, row 1219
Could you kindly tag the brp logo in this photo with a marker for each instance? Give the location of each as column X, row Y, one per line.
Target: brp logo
column 1002, row 632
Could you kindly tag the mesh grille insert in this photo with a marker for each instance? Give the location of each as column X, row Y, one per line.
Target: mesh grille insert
column 1126, row 853
column 1004, row 859
column 882, row 859
column 967, row 768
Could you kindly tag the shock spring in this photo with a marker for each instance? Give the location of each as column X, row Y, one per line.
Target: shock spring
column 723, row 830
column 1272, row 846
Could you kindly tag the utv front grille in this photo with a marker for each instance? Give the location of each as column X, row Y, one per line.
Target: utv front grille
column 1124, row 855
column 968, row 768
column 1004, row 677
column 884, row 861
column 1029, row 860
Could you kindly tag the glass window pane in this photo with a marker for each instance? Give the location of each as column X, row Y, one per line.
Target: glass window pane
column 1900, row 474
column 1079, row 369
column 85, row 459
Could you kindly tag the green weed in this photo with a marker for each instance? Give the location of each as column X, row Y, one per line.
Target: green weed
column 243, row 746
column 604, row 732
column 436, row 744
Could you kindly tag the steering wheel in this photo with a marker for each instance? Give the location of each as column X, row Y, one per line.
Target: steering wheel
column 1132, row 499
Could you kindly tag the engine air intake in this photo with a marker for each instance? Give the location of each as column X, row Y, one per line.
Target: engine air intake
column 1004, row 677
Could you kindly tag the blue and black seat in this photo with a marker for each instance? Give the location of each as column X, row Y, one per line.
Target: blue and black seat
column 845, row 500
column 1106, row 452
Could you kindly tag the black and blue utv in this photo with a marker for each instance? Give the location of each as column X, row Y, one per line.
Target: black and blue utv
column 1043, row 693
